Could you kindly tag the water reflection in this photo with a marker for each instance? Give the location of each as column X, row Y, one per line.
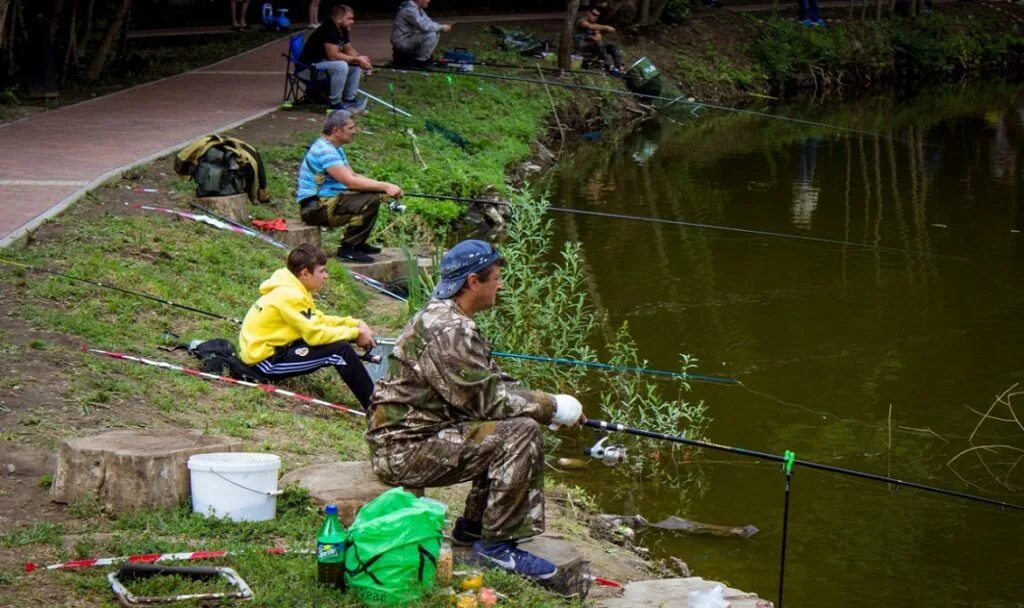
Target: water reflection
column 864, row 359
column 805, row 192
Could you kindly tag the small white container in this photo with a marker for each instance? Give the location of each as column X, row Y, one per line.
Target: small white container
column 241, row 486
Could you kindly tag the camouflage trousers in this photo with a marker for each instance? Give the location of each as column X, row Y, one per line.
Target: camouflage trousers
column 503, row 458
column 356, row 211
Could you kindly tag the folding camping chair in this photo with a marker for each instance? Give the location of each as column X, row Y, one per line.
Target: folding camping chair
column 303, row 82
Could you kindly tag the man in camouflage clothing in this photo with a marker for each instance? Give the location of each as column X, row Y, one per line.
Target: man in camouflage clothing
column 446, row 414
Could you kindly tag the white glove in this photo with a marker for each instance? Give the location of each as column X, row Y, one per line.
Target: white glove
column 567, row 410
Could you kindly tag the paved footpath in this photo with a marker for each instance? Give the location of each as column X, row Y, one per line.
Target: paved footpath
column 49, row 160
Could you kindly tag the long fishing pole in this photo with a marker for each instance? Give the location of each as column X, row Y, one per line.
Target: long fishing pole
column 658, row 220
column 620, row 428
column 138, row 294
column 601, row 366
column 695, row 377
column 535, row 66
column 212, row 218
column 695, row 103
column 266, row 388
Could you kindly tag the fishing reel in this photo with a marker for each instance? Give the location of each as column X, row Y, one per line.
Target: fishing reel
column 610, row 455
column 370, row 357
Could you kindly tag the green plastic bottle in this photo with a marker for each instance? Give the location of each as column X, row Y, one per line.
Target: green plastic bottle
column 330, row 550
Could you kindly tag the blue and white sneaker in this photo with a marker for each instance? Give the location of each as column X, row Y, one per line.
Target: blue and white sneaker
column 508, row 556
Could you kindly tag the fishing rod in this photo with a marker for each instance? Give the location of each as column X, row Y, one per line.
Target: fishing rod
column 121, row 290
column 791, row 459
column 211, row 218
column 599, row 365
column 524, row 66
column 696, row 104
column 596, row 365
column 658, row 220
column 266, row 388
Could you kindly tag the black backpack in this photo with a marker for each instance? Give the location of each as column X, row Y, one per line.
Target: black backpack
column 218, row 357
column 219, row 173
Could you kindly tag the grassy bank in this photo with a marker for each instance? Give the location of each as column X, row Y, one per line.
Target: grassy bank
column 744, row 55
column 54, row 390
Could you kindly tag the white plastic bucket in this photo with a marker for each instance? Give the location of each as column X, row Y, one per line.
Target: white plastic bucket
column 241, row 486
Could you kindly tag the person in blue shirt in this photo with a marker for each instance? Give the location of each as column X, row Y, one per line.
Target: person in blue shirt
column 331, row 194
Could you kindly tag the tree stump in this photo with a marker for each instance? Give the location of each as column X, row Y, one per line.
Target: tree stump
column 235, row 207
column 297, row 233
column 132, row 470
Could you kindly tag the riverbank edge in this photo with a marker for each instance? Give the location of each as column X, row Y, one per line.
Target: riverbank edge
column 748, row 58
column 101, row 202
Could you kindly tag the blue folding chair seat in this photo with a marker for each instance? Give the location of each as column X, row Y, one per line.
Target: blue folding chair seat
column 303, row 83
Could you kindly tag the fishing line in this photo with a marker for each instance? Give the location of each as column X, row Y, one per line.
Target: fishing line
column 656, row 220
column 602, row 366
column 619, row 428
column 219, row 221
column 121, row 290
column 696, row 104
column 694, row 377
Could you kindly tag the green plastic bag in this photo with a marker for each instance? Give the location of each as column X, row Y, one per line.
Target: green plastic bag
column 392, row 548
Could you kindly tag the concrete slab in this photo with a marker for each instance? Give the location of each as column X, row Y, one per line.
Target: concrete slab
column 350, row 485
column 673, row 592
column 389, row 265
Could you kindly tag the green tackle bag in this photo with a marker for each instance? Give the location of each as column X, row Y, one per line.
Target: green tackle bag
column 392, row 548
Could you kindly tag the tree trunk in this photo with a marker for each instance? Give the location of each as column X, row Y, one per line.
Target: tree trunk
column 4, row 4
column 56, row 12
column 565, row 41
column 659, row 8
column 87, row 30
column 645, row 12
column 71, row 50
column 99, row 59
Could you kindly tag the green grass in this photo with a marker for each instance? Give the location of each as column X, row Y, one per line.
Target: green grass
column 911, row 50
column 277, row 580
column 220, row 272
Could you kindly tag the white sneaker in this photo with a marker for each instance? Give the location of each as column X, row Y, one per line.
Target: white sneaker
column 313, row 26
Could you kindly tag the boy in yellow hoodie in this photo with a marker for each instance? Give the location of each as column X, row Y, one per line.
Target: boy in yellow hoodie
column 284, row 335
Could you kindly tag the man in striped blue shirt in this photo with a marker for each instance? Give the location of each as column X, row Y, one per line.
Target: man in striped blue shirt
column 331, row 194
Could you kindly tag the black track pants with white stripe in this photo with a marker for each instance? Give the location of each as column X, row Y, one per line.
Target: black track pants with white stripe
column 298, row 358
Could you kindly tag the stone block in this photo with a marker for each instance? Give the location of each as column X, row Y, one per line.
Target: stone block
column 235, row 207
column 297, row 233
column 132, row 470
column 390, row 265
column 673, row 592
column 350, row 485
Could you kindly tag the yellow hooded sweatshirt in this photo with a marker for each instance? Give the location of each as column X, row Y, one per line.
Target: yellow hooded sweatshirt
column 285, row 313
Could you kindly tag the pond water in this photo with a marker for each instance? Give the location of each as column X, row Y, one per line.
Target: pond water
column 860, row 358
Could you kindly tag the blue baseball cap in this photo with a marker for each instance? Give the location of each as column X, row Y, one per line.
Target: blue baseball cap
column 462, row 260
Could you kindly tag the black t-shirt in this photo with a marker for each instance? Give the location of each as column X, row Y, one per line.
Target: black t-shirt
column 327, row 33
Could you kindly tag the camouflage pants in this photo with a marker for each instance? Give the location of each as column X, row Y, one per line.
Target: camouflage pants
column 503, row 458
column 357, row 211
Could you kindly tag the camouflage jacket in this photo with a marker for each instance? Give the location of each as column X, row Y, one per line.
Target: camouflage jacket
column 441, row 374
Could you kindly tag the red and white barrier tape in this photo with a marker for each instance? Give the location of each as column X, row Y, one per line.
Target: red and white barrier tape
column 266, row 388
column 150, row 558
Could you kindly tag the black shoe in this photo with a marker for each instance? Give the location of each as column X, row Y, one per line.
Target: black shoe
column 367, row 248
column 466, row 532
column 346, row 254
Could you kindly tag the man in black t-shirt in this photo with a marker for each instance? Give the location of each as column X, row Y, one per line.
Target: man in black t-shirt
column 329, row 49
